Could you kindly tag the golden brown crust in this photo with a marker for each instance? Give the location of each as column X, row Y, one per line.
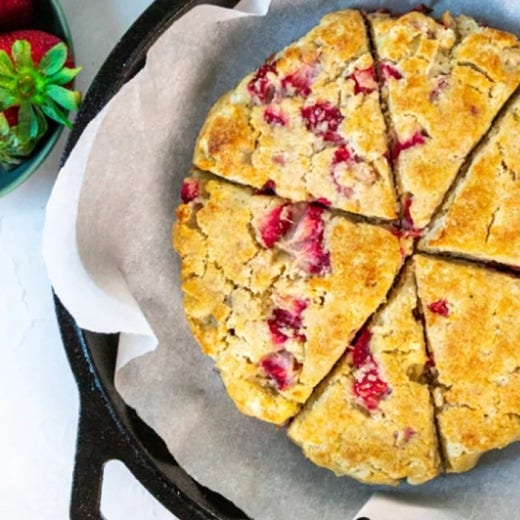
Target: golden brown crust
column 482, row 217
column 235, row 286
column 272, row 127
column 446, row 83
column 474, row 342
column 397, row 439
column 275, row 290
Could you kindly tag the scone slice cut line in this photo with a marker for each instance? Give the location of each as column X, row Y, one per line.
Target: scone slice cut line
column 307, row 124
column 383, row 429
column 481, row 218
column 472, row 329
column 442, row 97
column 267, row 286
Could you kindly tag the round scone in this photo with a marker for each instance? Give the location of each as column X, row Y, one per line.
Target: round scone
column 298, row 243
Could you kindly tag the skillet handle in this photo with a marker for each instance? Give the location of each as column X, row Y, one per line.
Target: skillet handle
column 96, row 438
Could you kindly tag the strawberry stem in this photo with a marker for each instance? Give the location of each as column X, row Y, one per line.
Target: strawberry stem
column 38, row 90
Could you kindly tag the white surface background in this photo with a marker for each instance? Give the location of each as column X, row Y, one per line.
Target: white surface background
column 38, row 396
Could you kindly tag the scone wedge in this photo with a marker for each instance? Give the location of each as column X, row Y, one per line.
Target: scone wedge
column 481, row 219
column 372, row 419
column 443, row 84
column 275, row 290
column 473, row 334
column 308, row 124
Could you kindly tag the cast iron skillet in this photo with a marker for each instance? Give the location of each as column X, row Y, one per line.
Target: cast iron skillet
column 108, row 428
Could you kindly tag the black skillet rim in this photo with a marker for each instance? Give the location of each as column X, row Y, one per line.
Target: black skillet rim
column 109, row 429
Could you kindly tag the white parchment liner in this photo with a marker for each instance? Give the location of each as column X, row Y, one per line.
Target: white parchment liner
column 122, row 183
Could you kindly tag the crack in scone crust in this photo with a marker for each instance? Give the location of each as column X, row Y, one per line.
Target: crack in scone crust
column 353, row 204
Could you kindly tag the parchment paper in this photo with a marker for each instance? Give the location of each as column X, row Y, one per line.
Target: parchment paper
column 141, row 149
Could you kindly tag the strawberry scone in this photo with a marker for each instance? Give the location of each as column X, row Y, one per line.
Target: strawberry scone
column 324, row 284
column 308, row 124
column 482, row 217
column 275, row 290
column 443, row 84
column 473, row 334
column 372, row 419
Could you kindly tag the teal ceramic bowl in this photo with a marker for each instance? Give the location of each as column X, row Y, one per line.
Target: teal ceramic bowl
column 48, row 17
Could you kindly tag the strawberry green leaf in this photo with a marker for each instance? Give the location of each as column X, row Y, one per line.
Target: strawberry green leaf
column 7, row 83
column 6, row 99
column 4, row 125
column 68, row 99
column 27, row 123
column 53, row 111
column 21, row 53
column 12, row 148
column 64, row 76
column 6, row 65
column 53, row 60
column 42, row 122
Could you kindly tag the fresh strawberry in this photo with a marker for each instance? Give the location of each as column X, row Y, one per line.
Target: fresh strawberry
column 36, row 70
column 15, row 14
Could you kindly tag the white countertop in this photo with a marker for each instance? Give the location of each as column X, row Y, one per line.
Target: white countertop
column 39, row 402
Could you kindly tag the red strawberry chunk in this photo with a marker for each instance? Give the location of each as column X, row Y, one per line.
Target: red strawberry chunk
column 306, row 239
column 261, row 87
column 388, row 71
column 430, row 362
column 417, row 139
column 279, row 158
column 409, row 433
column 300, row 83
column 369, row 388
column 190, row 190
column 440, row 307
column 323, row 120
column 361, row 351
column 442, row 84
column 322, row 201
column 343, row 155
column 274, row 117
column 408, row 225
column 281, row 368
column 403, row 437
column 276, row 224
column 299, row 230
column 269, row 188
column 286, row 323
column 364, row 80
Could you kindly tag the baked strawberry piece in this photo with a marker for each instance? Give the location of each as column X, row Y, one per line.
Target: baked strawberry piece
column 481, row 218
column 309, row 121
column 372, row 418
column 475, row 351
column 443, row 84
column 267, row 289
